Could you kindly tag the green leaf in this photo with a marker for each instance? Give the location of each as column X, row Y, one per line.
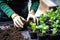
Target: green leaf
column 54, row 30
column 43, row 32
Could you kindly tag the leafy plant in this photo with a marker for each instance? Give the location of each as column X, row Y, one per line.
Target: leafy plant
column 54, row 30
column 42, row 18
column 56, row 24
column 33, row 26
column 57, row 12
column 51, row 15
column 55, row 27
column 43, row 28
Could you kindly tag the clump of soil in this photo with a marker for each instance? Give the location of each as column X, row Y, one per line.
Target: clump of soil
column 11, row 33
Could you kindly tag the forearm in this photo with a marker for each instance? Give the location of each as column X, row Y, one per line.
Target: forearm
column 6, row 9
column 35, row 5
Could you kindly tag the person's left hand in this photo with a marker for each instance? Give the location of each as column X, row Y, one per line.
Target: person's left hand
column 31, row 16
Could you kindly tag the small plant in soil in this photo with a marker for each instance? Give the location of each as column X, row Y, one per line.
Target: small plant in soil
column 42, row 18
column 57, row 12
column 51, row 15
column 33, row 26
column 43, row 28
column 55, row 26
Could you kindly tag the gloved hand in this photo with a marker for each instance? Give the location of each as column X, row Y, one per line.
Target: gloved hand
column 18, row 20
column 31, row 16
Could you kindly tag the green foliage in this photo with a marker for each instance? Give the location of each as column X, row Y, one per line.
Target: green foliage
column 33, row 25
column 42, row 18
column 55, row 27
column 58, row 12
column 56, row 24
column 51, row 14
column 44, row 28
column 54, row 20
column 54, row 30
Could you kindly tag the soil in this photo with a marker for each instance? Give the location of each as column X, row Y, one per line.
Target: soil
column 11, row 33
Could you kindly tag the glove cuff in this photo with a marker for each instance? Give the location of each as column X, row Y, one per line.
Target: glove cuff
column 14, row 15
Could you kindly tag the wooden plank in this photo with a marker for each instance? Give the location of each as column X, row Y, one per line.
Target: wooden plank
column 46, row 5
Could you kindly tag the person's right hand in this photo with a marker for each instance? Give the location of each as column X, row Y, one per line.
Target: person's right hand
column 18, row 20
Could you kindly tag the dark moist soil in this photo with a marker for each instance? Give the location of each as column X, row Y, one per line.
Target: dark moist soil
column 11, row 33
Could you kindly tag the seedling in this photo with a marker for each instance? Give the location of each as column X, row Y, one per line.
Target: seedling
column 58, row 12
column 51, row 15
column 56, row 24
column 54, row 30
column 43, row 28
column 55, row 27
column 42, row 18
column 33, row 26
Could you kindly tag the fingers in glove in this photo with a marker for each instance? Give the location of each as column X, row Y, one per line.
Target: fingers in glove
column 30, row 19
column 16, row 25
column 34, row 19
column 22, row 19
column 19, row 25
